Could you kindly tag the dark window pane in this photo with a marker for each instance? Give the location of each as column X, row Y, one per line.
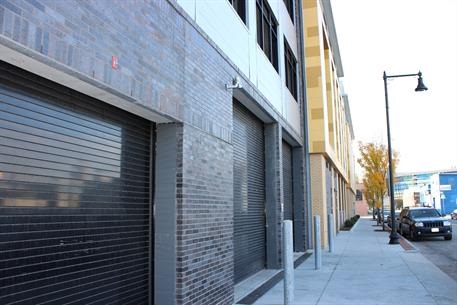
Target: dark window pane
column 291, row 69
column 266, row 32
column 290, row 8
column 240, row 8
column 259, row 25
column 274, row 46
column 266, row 39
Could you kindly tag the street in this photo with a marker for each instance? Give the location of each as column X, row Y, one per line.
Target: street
column 442, row 253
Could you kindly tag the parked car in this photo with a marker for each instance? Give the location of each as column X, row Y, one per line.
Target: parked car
column 418, row 222
column 454, row 214
column 385, row 215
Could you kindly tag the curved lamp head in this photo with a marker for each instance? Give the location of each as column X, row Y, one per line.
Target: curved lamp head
column 420, row 84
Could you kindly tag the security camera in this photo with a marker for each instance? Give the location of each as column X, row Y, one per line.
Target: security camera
column 236, row 84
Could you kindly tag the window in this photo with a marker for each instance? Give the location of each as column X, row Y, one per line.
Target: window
column 240, row 8
column 266, row 32
column 423, row 213
column 358, row 195
column 290, row 8
column 291, row 69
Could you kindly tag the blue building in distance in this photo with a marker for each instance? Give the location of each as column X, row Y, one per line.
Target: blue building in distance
column 437, row 189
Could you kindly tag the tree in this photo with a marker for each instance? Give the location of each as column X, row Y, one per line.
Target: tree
column 375, row 162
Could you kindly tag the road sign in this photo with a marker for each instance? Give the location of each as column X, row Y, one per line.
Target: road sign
column 445, row 187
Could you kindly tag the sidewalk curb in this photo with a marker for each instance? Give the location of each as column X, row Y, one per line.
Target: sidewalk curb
column 404, row 243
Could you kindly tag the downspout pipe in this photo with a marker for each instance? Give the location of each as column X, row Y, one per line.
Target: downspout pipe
column 308, row 202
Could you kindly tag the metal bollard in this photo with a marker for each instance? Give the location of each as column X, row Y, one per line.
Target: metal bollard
column 317, row 243
column 288, row 259
column 330, row 233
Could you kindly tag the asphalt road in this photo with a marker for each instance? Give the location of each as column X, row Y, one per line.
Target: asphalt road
column 442, row 253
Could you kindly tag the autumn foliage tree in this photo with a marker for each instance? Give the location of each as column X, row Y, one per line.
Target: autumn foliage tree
column 374, row 160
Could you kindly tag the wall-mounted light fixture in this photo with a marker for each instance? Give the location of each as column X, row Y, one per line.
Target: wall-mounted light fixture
column 236, row 84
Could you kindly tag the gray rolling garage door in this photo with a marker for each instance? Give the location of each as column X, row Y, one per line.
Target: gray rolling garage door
column 287, row 181
column 74, row 197
column 249, row 193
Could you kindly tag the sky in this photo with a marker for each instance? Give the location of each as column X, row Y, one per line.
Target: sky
column 402, row 37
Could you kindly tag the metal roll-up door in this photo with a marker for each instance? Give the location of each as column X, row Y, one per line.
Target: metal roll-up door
column 249, row 193
column 74, row 197
column 287, row 181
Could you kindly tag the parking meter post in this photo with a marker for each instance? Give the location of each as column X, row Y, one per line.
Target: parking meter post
column 317, row 243
column 288, row 259
column 330, row 232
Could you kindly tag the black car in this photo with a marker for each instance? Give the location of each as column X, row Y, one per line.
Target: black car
column 418, row 222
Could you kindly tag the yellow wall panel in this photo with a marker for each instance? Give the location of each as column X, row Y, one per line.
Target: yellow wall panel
column 317, row 113
column 313, row 75
column 309, row 3
column 318, row 146
column 312, row 31
column 312, row 51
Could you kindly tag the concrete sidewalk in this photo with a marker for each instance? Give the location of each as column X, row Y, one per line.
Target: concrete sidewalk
column 365, row 270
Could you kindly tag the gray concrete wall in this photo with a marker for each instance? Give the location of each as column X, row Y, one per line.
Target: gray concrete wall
column 166, row 173
column 273, row 194
column 300, row 211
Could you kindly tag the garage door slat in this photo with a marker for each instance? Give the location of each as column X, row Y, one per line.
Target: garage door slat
column 74, row 197
column 249, row 194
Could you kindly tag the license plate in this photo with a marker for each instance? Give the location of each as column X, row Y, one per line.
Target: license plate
column 435, row 229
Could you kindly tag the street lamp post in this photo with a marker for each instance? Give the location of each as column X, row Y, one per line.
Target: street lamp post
column 420, row 87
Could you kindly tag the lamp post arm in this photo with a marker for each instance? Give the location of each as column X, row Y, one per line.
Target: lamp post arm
column 401, row 75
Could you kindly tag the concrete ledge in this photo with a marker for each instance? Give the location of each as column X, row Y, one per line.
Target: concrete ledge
column 39, row 64
column 261, row 282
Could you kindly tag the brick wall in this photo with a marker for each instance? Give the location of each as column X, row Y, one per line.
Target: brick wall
column 166, row 65
column 318, row 193
column 164, row 62
column 205, row 220
column 169, row 66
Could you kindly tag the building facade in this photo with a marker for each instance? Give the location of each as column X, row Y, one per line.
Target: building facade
column 435, row 189
column 361, row 204
column 330, row 125
column 150, row 150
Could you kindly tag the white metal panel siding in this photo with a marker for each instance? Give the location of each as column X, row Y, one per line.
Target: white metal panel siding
column 249, row 193
column 292, row 110
column 238, row 41
column 74, row 198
